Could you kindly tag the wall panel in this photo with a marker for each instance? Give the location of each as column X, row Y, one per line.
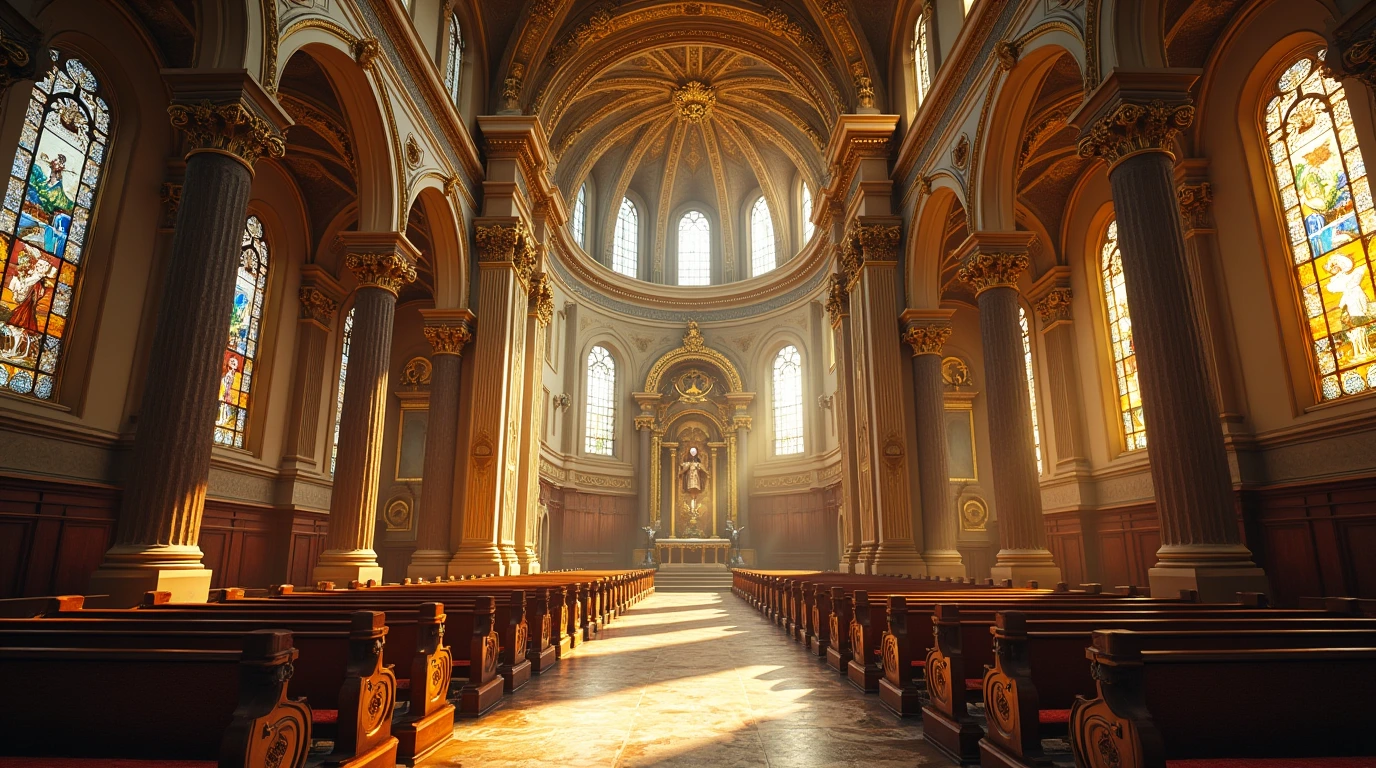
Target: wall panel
column 52, row 535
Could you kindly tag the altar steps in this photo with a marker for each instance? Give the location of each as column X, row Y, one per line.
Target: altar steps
column 693, row 577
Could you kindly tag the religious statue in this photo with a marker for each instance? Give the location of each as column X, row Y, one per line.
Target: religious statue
column 650, row 534
column 734, row 534
column 693, row 473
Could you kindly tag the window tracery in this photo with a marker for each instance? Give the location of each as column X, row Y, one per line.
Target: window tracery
column 1325, row 193
column 453, row 60
column 600, row 428
column 1031, row 384
column 694, row 249
column 762, row 258
column 1120, row 341
column 339, row 389
column 922, row 58
column 245, row 324
column 54, row 182
column 788, row 402
column 626, row 242
column 580, row 214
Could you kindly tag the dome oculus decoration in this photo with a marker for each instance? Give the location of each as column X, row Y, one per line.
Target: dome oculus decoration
column 695, row 101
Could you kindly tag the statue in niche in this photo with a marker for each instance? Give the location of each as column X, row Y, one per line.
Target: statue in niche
column 692, row 473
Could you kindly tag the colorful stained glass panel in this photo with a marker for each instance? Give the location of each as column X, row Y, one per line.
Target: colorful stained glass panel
column 245, row 324
column 1120, row 342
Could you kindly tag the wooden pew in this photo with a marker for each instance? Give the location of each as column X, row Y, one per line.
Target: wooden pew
column 155, row 704
column 1160, row 706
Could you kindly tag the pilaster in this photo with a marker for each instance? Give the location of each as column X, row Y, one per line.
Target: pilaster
column 318, row 296
column 539, row 313
column 926, row 332
column 1052, row 301
column 853, row 511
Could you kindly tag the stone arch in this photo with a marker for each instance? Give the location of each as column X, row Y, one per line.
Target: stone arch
column 926, row 244
column 693, row 349
column 451, row 257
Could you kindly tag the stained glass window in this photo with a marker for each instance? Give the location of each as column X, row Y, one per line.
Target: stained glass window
column 600, row 431
column 922, row 59
column 455, row 58
column 762, row 257
column 808, row 227
column 245, row 323
column 339, row 390
column 580, row 214
column 626, row 241
column 694, row 249
column 1031, row 385
column 53, row 184
column 1326, row 194
column 788, row 402
column 1120, row 339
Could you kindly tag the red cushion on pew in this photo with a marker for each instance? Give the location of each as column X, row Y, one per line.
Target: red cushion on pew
column 324, row 716
column 100, row 762
column 920, row 663
column 462, row 663
column 1052, row 716
column 403, row 684
column 1278, row 762
column 974, row 683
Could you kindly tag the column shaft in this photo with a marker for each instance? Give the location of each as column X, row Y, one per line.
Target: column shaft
column 935, row 515
column 431, row 558
column 838, row 307
column 643, row 478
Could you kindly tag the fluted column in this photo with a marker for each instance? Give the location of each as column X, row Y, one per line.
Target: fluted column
column 993, row 276
column 1058, row 341
column 644, row 427
column 229, row 122
column 447, row 330
column 382, row 263
column 838, row 309
column 927, row 332
column 539, row 313
column 1201, row 545
column 740, row 478
column 319, row 298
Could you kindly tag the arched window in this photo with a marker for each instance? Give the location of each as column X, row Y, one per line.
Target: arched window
column 694, row 249
column 55, row 177
column 580, row 214
column 808, row 228
column 453, row 60
column 245, row 323
column 788, row 402
column 626, row 242
column 600, row 431
column 922, row 59
column 1031, row 385
column 1120, row 339
column 762, row 257
column 339, row 390
column 1326, row 194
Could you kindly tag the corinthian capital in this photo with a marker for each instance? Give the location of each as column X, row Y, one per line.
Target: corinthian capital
column 230, row 128
column 316, row 306
column 927, row 338
column 1133, row 127
column 388, row 271
column 511, row 244
column 838, row 298
column 1054, row 307
column 448, row 339
column 983, row 271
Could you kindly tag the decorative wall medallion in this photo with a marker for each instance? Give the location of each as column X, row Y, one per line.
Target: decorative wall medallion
column 693, row 386
column 414, row 154
column 482, row 452
column 960, row 156
column 955, row 373
column 974, row 514
column 397, row 515
column 416, row 373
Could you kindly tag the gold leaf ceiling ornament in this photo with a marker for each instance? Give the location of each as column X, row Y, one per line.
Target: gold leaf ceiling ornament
column 695, row 100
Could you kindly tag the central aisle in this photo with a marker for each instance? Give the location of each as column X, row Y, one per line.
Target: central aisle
column 689, row 678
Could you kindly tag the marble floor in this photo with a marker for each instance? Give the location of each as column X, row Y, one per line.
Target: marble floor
column 695, row 679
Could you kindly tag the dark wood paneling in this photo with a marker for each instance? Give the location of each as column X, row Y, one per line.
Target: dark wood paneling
column 597, row 530
column 305, row 541
column 1315, row 539
column 237, row 544
column 793, row 530
column 52, row 535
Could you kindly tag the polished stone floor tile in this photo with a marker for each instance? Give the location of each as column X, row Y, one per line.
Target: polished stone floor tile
column 688, row 679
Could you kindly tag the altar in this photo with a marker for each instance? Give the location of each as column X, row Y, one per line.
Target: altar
column 693, row 550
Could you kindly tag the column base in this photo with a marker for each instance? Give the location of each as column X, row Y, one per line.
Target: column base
column 945, row 563
column 428, row 564
column 131, row 570
column 477, row 561
column 1024, row 565
column 527, row 561
column 344, row 566
column 511, row 566
column 897, row 560
column 1216, row 572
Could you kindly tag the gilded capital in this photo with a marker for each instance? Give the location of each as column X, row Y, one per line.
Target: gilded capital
column 510, row 244
column 388, row 271
column 741, row 422
column 231, row 128
column 645, row 422
column 927, row 338
column 1196, row 200
column 1054, row 307
column 448, row 339
column 316, row 306
column 1132, row 128
column 838, row 298
column 983, row 271
column 541, row 298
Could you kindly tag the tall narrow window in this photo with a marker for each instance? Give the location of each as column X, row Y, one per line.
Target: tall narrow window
column 922, row 59
column 56, row 174
column 694, row 249
column 245, row 322
column 1031, row 385
column 1326, row 194
column 580, row 214
column 788, row 402
column 808, row 228
column 454, row 59
column 339, row 390
column 1120, row 339
column 626, row 241
column 762, row 257
column 600, row 432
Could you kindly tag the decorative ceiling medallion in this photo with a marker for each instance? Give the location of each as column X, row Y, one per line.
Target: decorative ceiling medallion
column 695, row 100
column 414, row 154
column 960, row 156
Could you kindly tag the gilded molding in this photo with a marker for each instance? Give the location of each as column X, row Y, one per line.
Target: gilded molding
column 1007, row 53
column 271, row 40
column 644, row 422
column 388, row 271
column 927, row 338
column 316, row 306
column 448, row 338
column 541, row 298
column 509, row 244
column 366, row 50
column 330, row 129
column 1196, row 203
column 1054, row 307
column 1132, row 128
column 232, row 128
column 838, row 298
column 982, row 271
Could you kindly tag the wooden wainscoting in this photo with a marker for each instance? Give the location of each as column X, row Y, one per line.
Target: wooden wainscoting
column 793, row 530
column 53, row 535
column 596, row 530
column 1315, row 539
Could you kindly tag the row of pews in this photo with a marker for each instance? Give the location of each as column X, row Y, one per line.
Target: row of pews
column 1128, row 681
column 362, row 677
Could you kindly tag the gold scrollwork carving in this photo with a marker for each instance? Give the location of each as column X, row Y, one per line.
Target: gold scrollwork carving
column 416, row 373
column 927, row 338
column 316, row 306
column 983, row 271
column 838, row 299
column 695, row 100
column 512, row 244
column 388, row 271
column 1196, row 202
column 541, row 298
column 1054, row 307
column 233, row 128
column 955, row 373
column 1132, row 128
column 448, row 339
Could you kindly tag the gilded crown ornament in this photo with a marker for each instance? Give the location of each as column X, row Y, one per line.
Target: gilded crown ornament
column 695, row 100
column 316, row 305
column 1133, row 128
column 388, row 271
column 1054, row 307
column 983, row 271
column 448, row 339
column 231, row 128
column 692, row 340
column 927, row 338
